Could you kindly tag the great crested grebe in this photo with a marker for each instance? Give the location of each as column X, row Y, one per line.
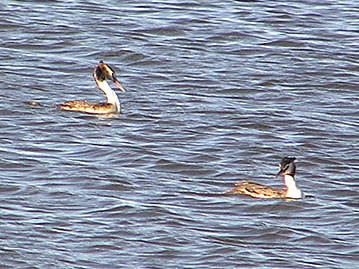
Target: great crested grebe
column 101, row 72
column 287, row 169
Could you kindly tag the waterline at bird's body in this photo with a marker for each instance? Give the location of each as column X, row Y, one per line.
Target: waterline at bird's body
column 101, row 73
column 287, row 169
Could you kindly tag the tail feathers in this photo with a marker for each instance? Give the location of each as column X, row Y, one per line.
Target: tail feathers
column 237, row 189
column 33, row 103
column 38, row 104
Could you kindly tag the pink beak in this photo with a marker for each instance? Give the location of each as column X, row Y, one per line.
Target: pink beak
column 119, row 86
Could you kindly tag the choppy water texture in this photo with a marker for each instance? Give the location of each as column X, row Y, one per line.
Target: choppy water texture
column 217, row 92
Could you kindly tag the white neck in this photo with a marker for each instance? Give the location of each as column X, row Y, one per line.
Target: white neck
column 109, row 93
column 292, row 189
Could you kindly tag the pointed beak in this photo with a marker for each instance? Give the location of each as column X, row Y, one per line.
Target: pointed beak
column 119, row 86
column 279, row 173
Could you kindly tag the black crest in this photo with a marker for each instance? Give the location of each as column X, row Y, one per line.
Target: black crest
column 287, row 160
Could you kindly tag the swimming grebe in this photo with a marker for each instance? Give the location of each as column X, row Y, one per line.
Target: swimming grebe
column 287, row 169
column 101, row 72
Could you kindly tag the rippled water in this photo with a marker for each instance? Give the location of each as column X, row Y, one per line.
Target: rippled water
column 217, row 92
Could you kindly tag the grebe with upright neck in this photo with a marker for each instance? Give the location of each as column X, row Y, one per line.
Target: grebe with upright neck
column 101, row 73
column 287, row 169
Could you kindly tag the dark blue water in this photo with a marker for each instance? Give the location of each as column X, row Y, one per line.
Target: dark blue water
column 217, row 92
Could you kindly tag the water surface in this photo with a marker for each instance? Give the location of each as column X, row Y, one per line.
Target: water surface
column 217, row 92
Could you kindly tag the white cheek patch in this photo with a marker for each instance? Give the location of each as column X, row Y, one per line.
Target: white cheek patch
column 108, row 71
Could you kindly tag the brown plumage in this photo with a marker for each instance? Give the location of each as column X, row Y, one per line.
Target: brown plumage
column 101, row 73
column 84, row 106
column 257, row 190
column 287, row 169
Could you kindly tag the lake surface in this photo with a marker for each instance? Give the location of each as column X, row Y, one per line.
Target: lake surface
column 217, row 92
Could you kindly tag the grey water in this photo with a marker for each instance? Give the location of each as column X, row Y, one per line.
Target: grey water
column 217, row 92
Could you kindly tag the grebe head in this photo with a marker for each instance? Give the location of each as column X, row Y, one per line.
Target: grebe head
column 103, row 72
column 287, row 166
